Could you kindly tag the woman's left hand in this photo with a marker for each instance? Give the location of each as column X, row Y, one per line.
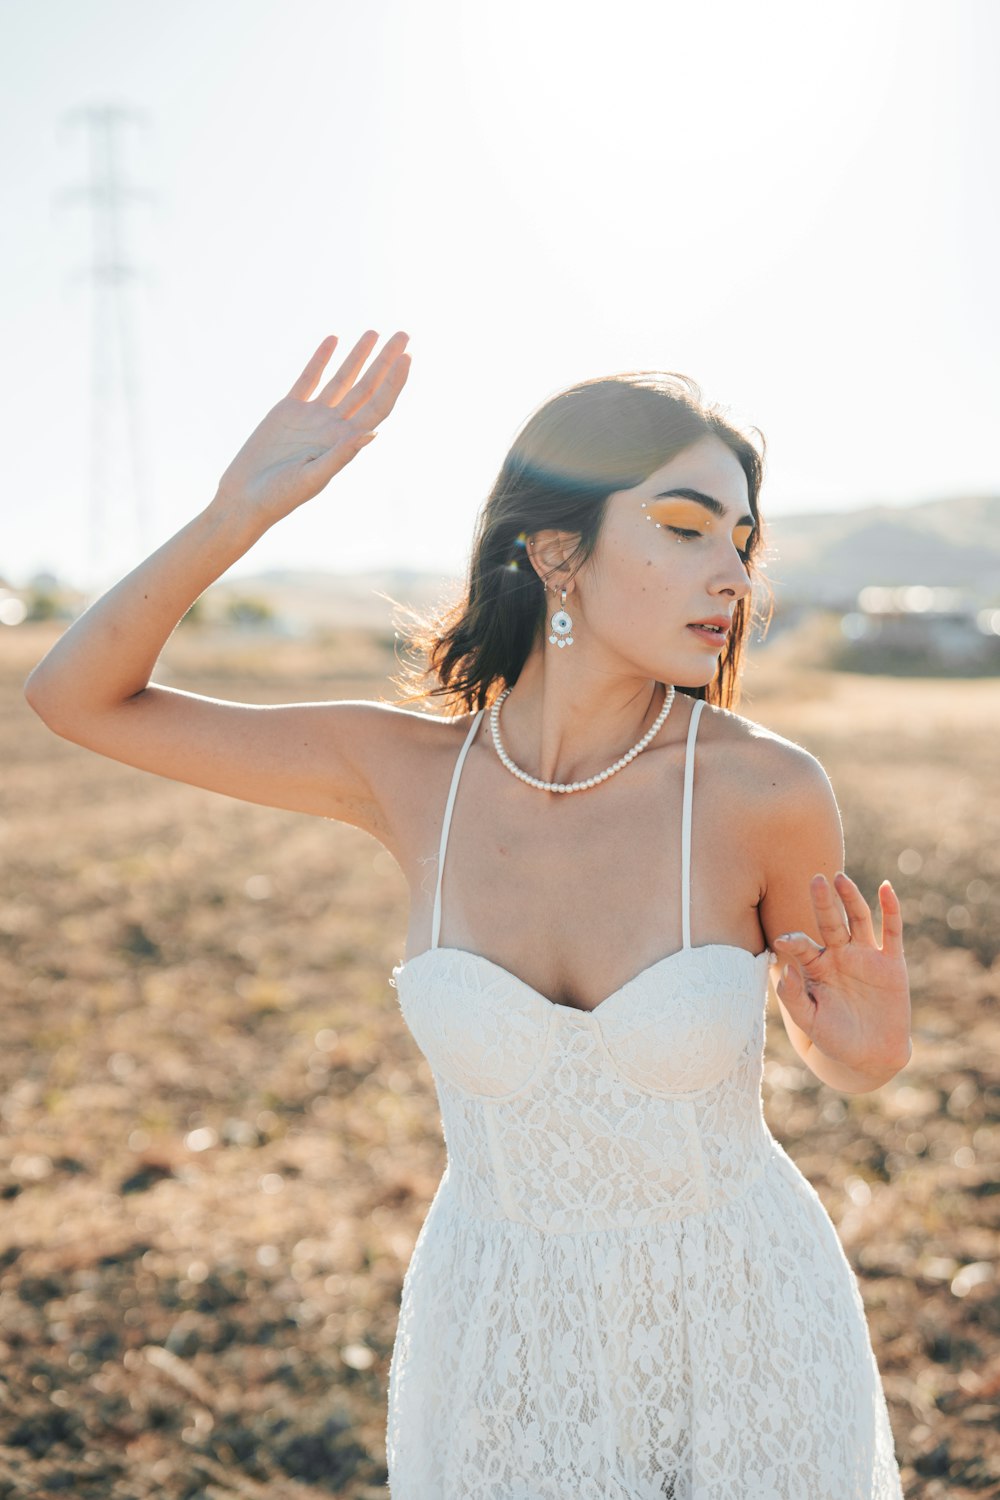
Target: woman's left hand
column 851, row 997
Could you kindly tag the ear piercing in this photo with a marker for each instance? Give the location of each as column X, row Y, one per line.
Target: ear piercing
column 561, row 623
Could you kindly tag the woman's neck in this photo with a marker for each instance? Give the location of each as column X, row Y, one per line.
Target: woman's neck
column 560, row 722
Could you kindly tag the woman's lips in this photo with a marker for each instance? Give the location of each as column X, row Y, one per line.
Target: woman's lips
column 711, row 637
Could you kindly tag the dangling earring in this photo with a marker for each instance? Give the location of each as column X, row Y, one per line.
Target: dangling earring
column 561, row 625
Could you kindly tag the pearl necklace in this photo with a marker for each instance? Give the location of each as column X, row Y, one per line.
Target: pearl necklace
column 577, row 786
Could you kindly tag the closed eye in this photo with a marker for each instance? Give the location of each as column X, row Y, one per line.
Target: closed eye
column 683, row 531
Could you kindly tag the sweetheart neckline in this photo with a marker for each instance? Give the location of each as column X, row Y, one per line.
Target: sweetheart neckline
column 576, row 1009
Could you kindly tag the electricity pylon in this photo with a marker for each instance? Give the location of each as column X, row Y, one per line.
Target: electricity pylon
column 112, row 328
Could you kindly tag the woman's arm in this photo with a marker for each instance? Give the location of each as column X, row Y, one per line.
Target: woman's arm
column 93, row 686
column 107, row 656
column 844, row 1001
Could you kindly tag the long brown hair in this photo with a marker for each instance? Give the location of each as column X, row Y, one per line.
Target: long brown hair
column 575, row 451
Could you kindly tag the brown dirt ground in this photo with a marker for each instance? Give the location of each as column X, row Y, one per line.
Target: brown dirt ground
column 219, row 1139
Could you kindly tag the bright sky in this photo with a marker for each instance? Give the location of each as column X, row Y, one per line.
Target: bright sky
column 793, row 203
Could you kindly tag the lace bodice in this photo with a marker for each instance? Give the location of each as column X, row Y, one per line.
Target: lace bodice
column 646, row 1109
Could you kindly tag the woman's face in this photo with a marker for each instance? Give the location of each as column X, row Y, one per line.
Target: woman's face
column 665, row 561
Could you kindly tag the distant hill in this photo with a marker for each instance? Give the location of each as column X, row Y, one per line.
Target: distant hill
column 312, row 599
column 829, row 557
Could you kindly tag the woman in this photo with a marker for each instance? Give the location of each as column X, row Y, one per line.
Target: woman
column 623, row 1287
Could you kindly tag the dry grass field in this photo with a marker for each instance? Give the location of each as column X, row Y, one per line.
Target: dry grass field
column 219, row 1140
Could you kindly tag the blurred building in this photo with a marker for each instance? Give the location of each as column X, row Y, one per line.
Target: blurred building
column 921, row 628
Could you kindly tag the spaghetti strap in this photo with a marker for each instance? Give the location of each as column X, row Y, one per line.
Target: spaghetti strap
column 446, row 824
column 686, row 824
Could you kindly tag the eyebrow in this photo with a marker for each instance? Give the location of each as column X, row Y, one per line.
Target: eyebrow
column 715, row 506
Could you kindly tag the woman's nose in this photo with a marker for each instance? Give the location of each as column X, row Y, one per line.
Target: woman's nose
column 736, row 580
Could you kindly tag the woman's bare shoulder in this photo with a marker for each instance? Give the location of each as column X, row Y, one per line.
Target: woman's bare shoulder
column 417, row 768
column 768, row 763
column 426, row 731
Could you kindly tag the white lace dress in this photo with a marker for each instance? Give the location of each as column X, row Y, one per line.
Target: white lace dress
column 624, row 1288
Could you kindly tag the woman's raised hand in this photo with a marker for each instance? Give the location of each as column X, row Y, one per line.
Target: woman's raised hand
column 851, row 997
column 301, row 443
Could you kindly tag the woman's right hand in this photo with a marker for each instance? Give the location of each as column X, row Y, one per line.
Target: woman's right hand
column 299, row 446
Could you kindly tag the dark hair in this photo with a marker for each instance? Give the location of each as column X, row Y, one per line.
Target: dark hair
column 570, row 456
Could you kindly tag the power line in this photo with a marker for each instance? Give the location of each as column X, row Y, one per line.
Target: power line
column 112, row 325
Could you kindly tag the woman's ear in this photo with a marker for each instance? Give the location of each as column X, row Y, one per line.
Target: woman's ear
column 549, row 552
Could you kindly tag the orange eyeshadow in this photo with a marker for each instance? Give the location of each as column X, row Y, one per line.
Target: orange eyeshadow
column 680, row 513
column 692, row 517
